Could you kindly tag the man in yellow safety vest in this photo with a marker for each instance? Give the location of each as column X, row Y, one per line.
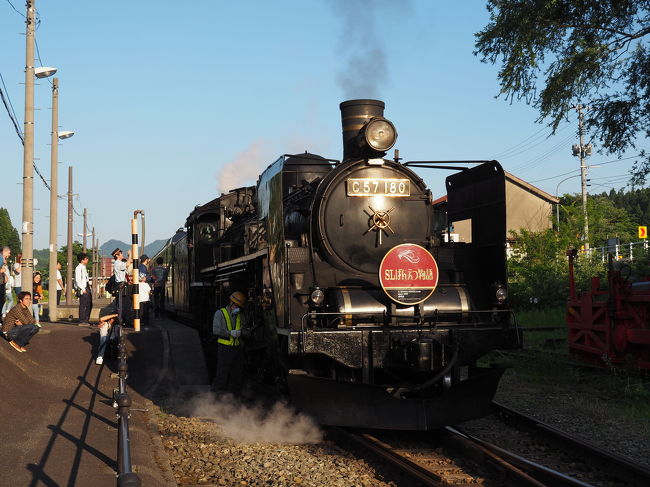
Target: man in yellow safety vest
column 227, row 325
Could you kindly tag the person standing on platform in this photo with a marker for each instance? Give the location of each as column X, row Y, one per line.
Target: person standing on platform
column 18, row 277
column 159, row 276
column 120, row 265
column 227, row 325
column 9, row 298
column 19, row 326
column 145, row 297
column 4, row 273
column 82, row 285
column 143, row 268
column 59, row 283
column 37, row 296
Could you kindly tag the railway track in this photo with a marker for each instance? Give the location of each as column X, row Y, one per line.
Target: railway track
column 453, row 457
column 613, row 469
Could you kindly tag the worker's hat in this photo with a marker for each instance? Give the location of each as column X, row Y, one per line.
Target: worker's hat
column 238, row 298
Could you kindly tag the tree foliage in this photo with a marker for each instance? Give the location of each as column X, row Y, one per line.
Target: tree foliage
column 605, row 220
column 8, row 234
column 555, row 54
column 538, row 267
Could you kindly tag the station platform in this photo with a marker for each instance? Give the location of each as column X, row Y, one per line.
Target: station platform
column 57, row 421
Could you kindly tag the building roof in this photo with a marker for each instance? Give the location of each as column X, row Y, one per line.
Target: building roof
column 519, row 182
column 533, row 189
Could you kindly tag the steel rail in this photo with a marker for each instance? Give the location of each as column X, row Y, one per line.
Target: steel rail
column 635, row 470
column 427, row 477
column 548, row 476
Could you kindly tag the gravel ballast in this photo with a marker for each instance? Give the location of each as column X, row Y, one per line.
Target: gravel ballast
column 224, row 443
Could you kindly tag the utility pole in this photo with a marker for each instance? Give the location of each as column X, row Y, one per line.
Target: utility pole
column 54, row 181
column 583, row 151
column 69, row 271
column 27, row 262
column 94, row 269
column 84, row 230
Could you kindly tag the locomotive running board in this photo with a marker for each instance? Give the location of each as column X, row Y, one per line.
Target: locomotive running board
column 338, row 403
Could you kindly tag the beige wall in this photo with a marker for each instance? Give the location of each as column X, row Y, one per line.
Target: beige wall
column 526, row 210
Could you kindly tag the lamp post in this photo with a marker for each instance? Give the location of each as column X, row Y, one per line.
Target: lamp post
column 557, row 189
column 54, row 182
column 583, row 151
column 27, row 227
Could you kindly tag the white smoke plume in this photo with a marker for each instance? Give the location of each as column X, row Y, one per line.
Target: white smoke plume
column 362, row 44
column 245, row 168
column 250, row 424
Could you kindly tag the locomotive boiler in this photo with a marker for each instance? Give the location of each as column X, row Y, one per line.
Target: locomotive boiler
column 306, row 244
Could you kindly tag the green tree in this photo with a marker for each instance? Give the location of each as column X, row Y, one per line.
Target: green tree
column 605, row 220
column 62, row 258
column 557, row 53
column 8, row 233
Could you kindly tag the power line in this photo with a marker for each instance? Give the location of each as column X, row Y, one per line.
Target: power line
column 598, row 164
column 9, row 109
column 17, row 11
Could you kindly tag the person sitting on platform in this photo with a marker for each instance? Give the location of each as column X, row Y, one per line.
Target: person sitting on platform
column 109, row 313
column 19, row 325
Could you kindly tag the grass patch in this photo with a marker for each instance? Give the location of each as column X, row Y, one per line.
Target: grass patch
column 541, row 318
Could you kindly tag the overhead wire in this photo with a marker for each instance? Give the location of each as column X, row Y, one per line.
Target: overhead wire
column 10, row 109
column 17, row 11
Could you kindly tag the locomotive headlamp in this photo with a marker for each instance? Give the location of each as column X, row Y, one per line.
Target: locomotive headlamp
column 501, row 294
column 317, row 296
column 379, row 134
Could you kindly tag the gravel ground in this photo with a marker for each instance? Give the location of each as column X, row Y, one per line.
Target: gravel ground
column 580, row 410
column 223, row 443
column 228, row 444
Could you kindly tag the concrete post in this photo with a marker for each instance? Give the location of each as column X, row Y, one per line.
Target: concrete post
column 69, row 268
column 54, row 171
column 27, row 263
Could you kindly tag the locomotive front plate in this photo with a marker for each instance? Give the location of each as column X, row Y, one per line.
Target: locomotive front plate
column 378, row 187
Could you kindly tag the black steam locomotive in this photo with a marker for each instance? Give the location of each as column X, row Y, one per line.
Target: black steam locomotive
column 306, row 245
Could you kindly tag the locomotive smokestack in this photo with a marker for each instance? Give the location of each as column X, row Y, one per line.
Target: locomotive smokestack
column 354, row 114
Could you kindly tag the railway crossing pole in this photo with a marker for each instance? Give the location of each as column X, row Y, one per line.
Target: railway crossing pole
column 136, row 268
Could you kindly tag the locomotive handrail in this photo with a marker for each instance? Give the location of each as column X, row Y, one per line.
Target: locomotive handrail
column 422, row 163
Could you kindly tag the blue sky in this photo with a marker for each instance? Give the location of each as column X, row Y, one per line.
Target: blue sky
column 172, row 102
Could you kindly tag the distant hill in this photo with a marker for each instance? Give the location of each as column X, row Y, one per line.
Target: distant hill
column 150, row 249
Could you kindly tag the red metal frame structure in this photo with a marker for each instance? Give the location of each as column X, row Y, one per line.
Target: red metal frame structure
column 612, row 324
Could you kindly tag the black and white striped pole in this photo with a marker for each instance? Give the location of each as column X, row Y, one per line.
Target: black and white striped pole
column 136, row 268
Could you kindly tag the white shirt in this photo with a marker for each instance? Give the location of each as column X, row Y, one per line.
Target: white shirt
column 119, row 269
column 18, row 278
column 58, row 278
column 145, row 289
column 81, row 276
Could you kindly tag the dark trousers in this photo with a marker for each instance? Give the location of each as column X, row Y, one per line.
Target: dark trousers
column 230, row 369
column 58, row 296
column 22, row 334
column 85, row 305
column 144, row 312
column 3, row 295
column 159, row 300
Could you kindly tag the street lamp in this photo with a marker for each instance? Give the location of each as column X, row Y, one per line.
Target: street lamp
column 557, row 189
column 54, row 197
column 27, row 227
